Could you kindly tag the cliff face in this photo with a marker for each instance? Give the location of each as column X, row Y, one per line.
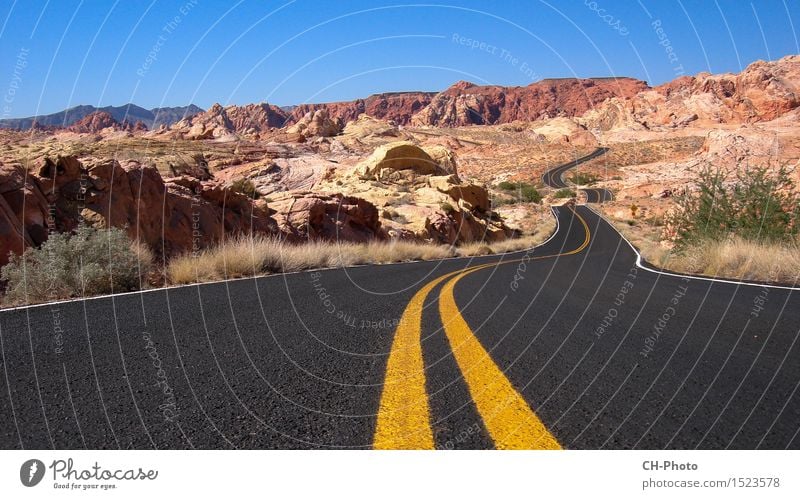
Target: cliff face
column 467, row 104
column 398, row 107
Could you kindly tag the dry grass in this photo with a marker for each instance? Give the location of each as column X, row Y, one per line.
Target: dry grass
column 251, row 256
column 739, row 259
column 733, row 258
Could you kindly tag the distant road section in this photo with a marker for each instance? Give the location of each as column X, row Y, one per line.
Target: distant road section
column 554, row 177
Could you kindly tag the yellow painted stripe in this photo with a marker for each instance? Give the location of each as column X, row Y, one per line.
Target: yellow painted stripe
column 403, row 420
column 404, row 415
column 506, row 415
column 508, row 418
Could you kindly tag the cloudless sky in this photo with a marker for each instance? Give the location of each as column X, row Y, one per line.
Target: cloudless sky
column 57, row 54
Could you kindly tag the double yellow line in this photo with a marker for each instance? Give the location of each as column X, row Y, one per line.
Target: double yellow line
column 404, row 414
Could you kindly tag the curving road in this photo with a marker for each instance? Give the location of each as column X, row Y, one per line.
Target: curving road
column 555, row 177
column 568, row 345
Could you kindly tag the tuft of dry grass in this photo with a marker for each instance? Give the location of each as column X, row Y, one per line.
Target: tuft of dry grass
column 733, row 258
column 740, row 259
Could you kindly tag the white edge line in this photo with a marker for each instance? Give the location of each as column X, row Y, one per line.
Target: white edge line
column 689, row 276
column 277, row 274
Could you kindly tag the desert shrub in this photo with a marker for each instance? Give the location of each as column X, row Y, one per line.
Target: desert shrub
column 564, row 193
column 246, row 187
column 89, row 262
column 753, row 204
column 525, row 192
column 579, row 178
column 447, row 208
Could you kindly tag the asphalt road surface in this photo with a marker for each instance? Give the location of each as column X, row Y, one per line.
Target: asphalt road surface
column 555, row 177
column 568, row 345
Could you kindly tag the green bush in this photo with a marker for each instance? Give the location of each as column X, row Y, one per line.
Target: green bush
column 88, row 262
column 564, row 193
column 755, row 204
column 246, row 187
column 447, row 208
column 525, row 192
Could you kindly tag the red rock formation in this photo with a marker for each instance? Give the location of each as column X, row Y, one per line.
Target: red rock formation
column 174, row 216
column 24, row 211
column 219, row 121
column 94, row 123
column 468, row 104
column 764, row 91
column 136, row 127
column 395, row 106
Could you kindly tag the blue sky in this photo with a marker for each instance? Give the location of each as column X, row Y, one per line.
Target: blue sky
column 62, row 53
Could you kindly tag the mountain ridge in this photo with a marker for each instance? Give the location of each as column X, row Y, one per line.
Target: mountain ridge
column 129, row 112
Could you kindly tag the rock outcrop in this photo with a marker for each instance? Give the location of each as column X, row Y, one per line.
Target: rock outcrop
column 321, row 216
column 95, row 123
column 172, row 217
column 421, row 195
column 24, row 211
column 221, row 121
column 316, row 124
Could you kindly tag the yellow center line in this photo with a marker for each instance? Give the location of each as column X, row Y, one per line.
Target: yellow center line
column 403, row 420
column 510, row 421
column 404, row 415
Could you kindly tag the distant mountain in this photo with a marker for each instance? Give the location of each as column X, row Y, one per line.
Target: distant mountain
column 130, row 113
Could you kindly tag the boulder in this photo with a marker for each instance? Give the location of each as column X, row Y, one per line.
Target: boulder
column 471, row 196
column 396, row 156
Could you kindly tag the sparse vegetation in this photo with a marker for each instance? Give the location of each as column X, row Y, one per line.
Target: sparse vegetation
column 88, row 262
column 757, row 204
column 738, row 258
column 564, row 193
column 447, row 208
column 738, row 227
column 579, row 178
column 245, row 186
column 519, row 192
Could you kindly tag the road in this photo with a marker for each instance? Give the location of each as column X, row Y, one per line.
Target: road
column 568, row 345
column 555, row 177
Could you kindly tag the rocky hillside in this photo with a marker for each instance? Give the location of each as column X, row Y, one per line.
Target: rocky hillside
column 220, row 121
column 762, row 92
column 398, row 107
column 468, row 104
